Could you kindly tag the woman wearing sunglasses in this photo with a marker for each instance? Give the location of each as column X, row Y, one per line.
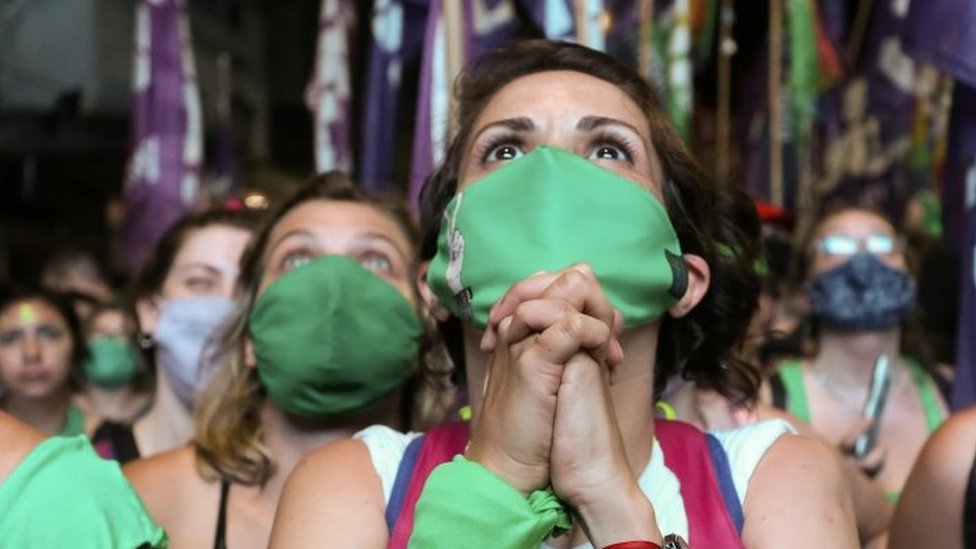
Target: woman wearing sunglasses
column 861, row 293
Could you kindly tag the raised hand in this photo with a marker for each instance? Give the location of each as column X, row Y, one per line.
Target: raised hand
column 536, row 328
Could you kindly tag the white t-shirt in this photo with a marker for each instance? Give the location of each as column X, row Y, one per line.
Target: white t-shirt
column 745, row 446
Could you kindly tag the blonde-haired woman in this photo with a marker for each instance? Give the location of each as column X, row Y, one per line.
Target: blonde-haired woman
column 323, row 341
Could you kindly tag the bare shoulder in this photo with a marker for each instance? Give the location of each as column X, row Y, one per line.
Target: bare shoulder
column 930, row 508
column 333, row 498
column 168, row 483
column 952, row 446
column 797, row 493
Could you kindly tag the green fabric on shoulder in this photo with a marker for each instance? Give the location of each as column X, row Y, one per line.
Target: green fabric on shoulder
column 63, row 495
column 75, row 424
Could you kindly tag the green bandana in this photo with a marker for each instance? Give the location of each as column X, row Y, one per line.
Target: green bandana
column 331, row 337
column 112, row 361
column 544, row 212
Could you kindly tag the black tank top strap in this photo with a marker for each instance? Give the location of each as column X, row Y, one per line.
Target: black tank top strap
column 220, row 539
column 115, row 441
column 969, row 511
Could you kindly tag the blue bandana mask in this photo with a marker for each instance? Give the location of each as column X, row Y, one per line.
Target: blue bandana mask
column 862, row 294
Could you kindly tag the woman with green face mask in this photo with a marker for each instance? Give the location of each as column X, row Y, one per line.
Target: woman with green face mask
column 322, row 341
column 117, row 386
column 577, row 258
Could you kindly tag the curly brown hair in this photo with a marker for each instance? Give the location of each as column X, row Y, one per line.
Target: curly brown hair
column 714, row 221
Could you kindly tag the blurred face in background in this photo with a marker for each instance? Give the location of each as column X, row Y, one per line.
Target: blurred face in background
column 840, row 236
column 35, row 350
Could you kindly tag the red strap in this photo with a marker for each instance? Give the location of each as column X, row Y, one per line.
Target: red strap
column 634, row 545
column 687, row 455
column 440, row 445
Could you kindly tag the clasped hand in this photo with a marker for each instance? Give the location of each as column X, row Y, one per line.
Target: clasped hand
column 547, row 418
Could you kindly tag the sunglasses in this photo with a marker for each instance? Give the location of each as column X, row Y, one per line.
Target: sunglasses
column 846, row 245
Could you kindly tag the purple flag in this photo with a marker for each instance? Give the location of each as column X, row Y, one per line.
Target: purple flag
column 328, row 92
column 487, row 24
column 940, row 33
column 960, row 186
column 397, row 36
column 162, row 182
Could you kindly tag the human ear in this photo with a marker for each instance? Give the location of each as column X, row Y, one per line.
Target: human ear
column 147, row 316
column 699, row 276
column 250, row 361
column 438, row 311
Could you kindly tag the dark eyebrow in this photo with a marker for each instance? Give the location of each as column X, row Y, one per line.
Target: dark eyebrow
column 590, row 123
column 520, row 124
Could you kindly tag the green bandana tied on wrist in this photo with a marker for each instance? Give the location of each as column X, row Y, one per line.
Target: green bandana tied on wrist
column 544, row 212
column 465, row 506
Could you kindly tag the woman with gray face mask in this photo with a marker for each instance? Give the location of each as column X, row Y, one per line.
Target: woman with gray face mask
column 182, row 295
column 861, row 293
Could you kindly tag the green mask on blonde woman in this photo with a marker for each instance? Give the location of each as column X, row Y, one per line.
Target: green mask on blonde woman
column 544, row 212
column 112, row 361
column 331, row 337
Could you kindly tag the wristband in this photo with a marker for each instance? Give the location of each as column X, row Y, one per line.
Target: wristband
column 633, row 545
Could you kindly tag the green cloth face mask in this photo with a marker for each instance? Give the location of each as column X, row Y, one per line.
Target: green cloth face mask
column 331, row 337
column 544, row 212
column 112, row 361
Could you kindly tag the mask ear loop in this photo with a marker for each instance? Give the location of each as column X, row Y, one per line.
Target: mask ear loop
column 679, row 274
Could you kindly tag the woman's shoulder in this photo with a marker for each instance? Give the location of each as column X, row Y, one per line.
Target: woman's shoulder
column 169, row 482
column 353, row 510
column 797, row 492
column 950, row 451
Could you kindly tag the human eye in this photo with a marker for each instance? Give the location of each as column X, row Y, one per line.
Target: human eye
column 376, row 262
column 10, row 337
column 838, row 244
column 200, row 283
column 50, row 332
column 880, row 244
column 503, row 149
column 611, row 148
column 294, row 259
column 609, row 151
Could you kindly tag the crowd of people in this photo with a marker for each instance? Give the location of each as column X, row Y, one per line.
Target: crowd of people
column 559, row 355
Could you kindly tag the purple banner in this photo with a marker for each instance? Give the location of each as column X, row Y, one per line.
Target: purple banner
column 329, row 90
column 397, row 36
column 487, row 24
column 941, row 33
column 960, row 188
column 163, row 176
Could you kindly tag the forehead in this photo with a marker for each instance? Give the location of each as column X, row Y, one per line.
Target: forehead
column 213, row 245
column 562, row 93
column 109, row 319
column 855, row 222
column 30, row 311
column 336, row 219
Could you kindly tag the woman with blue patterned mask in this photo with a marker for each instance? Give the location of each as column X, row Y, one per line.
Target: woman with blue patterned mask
column 861, row 294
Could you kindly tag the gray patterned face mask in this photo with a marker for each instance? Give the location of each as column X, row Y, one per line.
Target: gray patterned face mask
column 862, row 294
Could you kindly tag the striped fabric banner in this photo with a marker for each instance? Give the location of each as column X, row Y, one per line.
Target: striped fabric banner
column 163, row 178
